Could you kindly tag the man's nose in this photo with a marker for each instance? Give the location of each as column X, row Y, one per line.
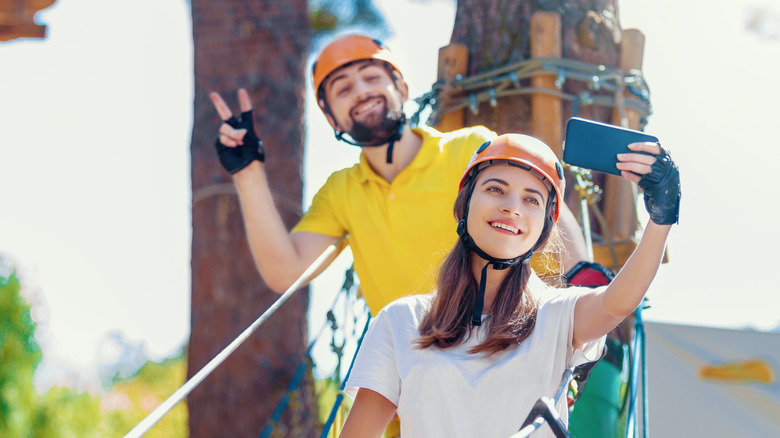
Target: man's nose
column 362, row 90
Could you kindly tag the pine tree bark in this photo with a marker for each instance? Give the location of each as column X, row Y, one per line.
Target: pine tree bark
column 497, row 34
column 261, row 46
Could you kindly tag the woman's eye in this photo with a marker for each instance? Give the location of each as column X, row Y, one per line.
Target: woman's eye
column 495, row 189
column 533, row 201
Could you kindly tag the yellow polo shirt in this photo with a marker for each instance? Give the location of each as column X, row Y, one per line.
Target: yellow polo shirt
column 399, row 232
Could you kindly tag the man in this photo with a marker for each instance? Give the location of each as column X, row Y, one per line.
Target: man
column 394, row 206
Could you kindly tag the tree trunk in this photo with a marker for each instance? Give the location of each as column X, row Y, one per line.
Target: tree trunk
column 497, row 33
column 261, row 46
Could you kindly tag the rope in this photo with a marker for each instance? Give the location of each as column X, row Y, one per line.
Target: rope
column 286, row 203
column 141, row 428
column 638, row 371
column 590, row 195
column 469, row 92
column 300, row 371
column 347, row 286
column 340, row 396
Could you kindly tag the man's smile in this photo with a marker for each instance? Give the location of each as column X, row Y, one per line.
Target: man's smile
column 366, row 106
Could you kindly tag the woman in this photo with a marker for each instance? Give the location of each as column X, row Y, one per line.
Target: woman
column 471, row 358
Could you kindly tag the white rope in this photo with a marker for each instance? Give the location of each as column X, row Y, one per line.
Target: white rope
column 155, row 416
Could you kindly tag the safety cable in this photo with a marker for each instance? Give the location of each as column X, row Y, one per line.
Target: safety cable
column 506, row 81
column 141, row 428
column 638, row 372
column 300, row 371
column 340, row 396
column 349, row 311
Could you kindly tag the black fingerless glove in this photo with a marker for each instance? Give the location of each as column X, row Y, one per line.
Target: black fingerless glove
column 237, row 158
column 662, row 190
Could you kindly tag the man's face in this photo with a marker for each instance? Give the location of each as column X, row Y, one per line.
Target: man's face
column 365, row 101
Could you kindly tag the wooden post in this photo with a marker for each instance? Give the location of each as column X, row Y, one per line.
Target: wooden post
column 631, row 54
column 453, row 61
column 546, row 112
column 620, row 195
column 17, row 19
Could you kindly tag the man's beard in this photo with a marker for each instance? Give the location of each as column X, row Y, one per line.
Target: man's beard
column 381, row 132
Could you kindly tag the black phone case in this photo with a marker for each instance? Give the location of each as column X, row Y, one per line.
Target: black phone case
column 595, row 145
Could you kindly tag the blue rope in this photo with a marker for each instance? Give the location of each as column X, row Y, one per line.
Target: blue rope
column 641, row 331
column 304, row 364
column 300, row 372
column 340, row 396
column 637, row 369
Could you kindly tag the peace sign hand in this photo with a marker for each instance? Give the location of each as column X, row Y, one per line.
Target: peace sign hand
column 237, row 143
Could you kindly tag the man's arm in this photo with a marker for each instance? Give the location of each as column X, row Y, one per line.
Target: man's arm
column 280, row 257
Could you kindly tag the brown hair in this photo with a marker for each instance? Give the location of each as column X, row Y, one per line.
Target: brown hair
column 513, row 315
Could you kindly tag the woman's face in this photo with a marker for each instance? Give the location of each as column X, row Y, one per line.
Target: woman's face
column 507, row 211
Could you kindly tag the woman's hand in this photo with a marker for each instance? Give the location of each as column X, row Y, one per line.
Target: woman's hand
column 633, row 166
column 652, row 168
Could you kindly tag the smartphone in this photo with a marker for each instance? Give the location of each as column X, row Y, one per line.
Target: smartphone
column 595, row 145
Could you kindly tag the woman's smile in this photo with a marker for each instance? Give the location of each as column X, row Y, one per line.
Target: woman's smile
column 505, row 226
column 506, row 211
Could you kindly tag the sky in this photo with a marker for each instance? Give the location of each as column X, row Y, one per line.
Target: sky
column 96, row 123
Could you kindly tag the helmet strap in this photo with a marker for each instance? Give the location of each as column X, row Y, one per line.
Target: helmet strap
column 498, row 264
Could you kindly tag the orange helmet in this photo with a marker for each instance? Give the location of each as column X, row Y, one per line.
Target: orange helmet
column 523, row 151
column 346, row 49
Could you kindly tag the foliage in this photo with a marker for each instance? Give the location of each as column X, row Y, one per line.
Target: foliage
column 67, row 412
column 131, row 400
column 327, row 390
column 64, row 412
column 329, row 16
column 19, row 357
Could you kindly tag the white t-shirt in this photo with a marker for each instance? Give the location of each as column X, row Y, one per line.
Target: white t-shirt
column 451, row 393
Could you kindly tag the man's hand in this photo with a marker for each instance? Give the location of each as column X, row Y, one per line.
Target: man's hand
column 237, row 143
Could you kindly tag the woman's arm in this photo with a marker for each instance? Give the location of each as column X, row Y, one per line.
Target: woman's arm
column 598, row 312
column 369, row 416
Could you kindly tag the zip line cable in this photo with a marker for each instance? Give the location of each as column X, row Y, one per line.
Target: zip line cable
column 141, row 428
